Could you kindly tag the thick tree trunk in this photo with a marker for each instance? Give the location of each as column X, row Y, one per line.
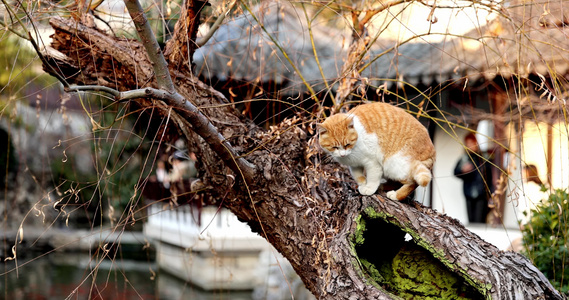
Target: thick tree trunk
column 342, row 245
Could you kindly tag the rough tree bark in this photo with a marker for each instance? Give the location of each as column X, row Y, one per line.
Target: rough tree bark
column 342, row 245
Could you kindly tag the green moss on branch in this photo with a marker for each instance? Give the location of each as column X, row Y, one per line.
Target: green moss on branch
column 404, row 268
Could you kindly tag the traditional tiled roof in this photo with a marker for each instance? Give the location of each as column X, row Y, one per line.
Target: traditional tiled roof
column 530, row 38
column 241, row 50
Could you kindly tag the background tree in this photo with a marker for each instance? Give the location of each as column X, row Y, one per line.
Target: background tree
column 342, row 245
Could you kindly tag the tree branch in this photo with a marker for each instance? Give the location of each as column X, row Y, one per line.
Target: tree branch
column 168, row 93
column 465, row 253
column 151, row 45
column 200, row 124
column 309, row 210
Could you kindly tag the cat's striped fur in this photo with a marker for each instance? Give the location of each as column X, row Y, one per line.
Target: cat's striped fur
column 376, row 141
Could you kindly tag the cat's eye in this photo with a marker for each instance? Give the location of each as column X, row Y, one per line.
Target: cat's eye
column 347, row 146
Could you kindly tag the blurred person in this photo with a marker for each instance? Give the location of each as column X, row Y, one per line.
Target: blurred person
column 162, row 174
column 476, row 175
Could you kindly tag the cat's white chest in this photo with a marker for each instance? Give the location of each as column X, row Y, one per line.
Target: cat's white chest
column 366, row 149
column 367, row 153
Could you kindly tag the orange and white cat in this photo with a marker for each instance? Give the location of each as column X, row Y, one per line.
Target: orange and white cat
column 376, row 141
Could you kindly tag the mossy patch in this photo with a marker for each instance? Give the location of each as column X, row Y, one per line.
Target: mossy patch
column 402, row 267
column 361, row 228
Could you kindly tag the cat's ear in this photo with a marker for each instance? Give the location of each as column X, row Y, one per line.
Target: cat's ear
column 321, row 129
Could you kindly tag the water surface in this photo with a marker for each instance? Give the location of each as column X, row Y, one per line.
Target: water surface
column 80, row 276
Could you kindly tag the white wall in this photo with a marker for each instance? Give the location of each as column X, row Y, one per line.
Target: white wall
column 516, row 201
column 560, row 160
column 520, row 196
column 447, row 189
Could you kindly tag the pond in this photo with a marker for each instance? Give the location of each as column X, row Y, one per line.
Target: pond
column 78, row 276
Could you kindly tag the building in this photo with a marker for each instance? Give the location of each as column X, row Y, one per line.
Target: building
column 491, row 75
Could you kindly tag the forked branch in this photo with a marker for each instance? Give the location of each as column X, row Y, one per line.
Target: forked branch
column 167, row 93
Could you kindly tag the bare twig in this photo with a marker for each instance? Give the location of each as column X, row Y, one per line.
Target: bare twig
column 311, row 35
column 360, row 46
column 94, row 88
column 215, row 25
column 285, row 54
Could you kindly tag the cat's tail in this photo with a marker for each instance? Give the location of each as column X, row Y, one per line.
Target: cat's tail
column 422, row 173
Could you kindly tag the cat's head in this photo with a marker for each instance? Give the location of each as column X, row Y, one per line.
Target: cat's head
column 337, row 135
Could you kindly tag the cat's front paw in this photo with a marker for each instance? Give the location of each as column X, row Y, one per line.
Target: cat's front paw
column 366, row 190
column 392, row 195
